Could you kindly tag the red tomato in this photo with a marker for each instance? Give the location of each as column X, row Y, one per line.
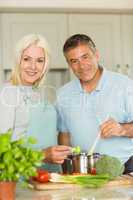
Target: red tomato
column 93, row 171
column 42, row 176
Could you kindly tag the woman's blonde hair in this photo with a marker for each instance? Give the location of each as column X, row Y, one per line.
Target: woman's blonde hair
column 23, row 44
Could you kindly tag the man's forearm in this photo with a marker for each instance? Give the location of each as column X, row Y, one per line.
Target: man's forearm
column 64, row 139
column 128, row 127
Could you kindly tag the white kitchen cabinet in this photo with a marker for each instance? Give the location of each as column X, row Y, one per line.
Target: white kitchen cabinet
column 104, row 30
column 52, row 26
column 113, row 35
column 127, row 42
column 1, row 69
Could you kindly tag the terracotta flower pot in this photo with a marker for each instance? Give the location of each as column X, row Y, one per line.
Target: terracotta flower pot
column 7, row 190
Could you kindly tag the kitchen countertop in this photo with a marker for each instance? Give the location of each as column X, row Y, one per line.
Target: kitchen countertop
column 109, row 193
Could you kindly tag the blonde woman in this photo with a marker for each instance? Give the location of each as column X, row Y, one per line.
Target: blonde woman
column 23, row 106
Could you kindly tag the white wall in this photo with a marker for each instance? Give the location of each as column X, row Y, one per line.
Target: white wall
column 103, row 4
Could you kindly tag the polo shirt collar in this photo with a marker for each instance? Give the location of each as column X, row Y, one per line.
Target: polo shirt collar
column 99, row 86
column 102, row 80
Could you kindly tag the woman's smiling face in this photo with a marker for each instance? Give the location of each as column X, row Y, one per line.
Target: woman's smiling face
column 32, row 64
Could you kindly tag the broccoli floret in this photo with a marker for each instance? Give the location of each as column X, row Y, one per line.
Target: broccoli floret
column 109, row 165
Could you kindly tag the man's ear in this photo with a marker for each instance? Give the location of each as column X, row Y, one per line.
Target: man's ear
column 65, row 55
column 97, row 54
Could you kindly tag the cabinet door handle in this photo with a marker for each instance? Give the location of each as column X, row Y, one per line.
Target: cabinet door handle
column 127, row 66
column 118, row 66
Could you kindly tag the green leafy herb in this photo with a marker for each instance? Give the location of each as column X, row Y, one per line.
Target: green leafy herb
column 18, row 161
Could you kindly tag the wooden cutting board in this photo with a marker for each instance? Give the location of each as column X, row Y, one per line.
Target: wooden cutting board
column 123, row 180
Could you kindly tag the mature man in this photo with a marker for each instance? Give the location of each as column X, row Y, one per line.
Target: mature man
column 98, row 101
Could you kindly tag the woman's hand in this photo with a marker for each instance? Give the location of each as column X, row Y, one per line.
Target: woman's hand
column 56, row 154
column 111, row 128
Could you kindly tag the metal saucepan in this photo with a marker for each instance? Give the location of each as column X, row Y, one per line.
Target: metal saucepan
column 79, row 163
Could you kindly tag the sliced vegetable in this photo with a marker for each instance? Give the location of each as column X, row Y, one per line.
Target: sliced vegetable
column 76, row 150
column 93, row 171
column 42, row 176
column 89, row 181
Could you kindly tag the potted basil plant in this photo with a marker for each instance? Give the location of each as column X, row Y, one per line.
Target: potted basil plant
column 18, row 162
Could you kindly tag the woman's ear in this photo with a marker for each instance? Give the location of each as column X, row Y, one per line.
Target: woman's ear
column 97, row 54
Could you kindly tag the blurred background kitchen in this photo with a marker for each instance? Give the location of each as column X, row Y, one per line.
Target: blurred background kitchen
column 108, row 22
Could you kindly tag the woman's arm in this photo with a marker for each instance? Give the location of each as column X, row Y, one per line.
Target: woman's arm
column 56, row 154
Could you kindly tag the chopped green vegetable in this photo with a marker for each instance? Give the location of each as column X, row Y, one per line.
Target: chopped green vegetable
column 76, row 150
column 109, row 165
column 89, row 181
